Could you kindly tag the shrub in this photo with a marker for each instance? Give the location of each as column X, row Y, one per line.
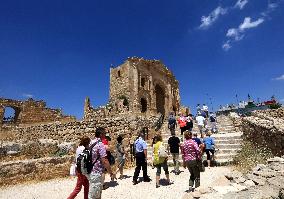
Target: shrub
column 251, row 155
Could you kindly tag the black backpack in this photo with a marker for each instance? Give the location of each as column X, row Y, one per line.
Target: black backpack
column 110, row 158
column 84, row 161
column 212, row 119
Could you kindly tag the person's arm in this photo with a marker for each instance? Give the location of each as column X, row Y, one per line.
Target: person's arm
column 198, row 153
column 168, row 147
column 145, row 150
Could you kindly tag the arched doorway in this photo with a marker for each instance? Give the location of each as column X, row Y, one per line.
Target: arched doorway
column 143, row 103
column 160, row 99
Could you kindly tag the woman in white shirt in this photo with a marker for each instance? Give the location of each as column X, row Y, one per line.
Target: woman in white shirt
column 81, row 179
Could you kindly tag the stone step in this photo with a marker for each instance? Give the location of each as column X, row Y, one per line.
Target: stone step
column 226, row 151
column 225, row 156
column 228, row 146
column 228, row 141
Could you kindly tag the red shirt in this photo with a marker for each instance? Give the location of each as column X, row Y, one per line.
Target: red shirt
column 104, row 140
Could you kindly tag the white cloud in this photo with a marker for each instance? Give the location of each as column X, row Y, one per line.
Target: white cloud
column 28, row 95
column 207, row 21
column 279, row 78
column 247, row 24
column 235, row 33
column 226, row 46
column 241, row 4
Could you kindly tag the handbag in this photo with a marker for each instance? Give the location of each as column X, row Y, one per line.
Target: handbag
column 73, row 169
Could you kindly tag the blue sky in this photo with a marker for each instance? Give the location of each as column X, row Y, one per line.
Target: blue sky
column 61, row 51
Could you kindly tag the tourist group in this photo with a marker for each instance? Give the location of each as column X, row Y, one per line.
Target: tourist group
column 94, row 159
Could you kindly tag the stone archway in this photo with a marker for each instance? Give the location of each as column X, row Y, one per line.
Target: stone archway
column 143, row 103
column 10, row 114
column 160, row 99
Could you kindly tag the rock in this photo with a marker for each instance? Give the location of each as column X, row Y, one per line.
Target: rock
column 276, row 159
column 225, row 189
column 196, row 194
column 240, row 180
column 249, row 183
column 256, row 179
column 259, row 167
column 187, row 196
column 204, row 190
column 222, row 181
column 239, row 187
column 277, row 181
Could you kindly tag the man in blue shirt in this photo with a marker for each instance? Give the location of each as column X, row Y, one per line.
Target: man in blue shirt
column 141, row 159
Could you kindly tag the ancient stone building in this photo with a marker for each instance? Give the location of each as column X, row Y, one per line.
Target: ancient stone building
column 139, row 86
column 30, row 112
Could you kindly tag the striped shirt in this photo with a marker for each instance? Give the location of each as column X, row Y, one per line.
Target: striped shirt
column 190, row 150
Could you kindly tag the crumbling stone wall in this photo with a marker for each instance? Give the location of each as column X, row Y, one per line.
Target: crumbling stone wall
column 266, row 128
column 31, row 111
column 35, row 169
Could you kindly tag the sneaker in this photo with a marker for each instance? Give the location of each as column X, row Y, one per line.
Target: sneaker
column 134, row 182
column 190, row 189
column 157, row 186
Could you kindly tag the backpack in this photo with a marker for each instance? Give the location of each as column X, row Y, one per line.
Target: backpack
column 212, row 119
column 84, row 162
column 172, row 122
column 162, row 152
column 110, row 158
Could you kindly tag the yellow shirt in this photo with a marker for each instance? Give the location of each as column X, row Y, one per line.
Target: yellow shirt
column 157, row 159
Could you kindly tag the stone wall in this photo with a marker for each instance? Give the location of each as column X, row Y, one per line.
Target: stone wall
column 266, row 128
column 31, row 112
column 14, row 172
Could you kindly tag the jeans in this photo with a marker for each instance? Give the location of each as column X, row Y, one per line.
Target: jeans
column 96, row 185
column 140, row 162
column 194, row 173
column 176, row 162
column 81, row 181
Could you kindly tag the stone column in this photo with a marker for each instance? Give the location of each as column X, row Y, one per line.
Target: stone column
column 152, row 107
column 136, row 104
column 169, row 105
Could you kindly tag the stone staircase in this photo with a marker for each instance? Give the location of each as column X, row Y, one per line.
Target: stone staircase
column 227, row 141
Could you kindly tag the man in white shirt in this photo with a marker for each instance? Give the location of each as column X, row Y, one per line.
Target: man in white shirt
column 200, row 122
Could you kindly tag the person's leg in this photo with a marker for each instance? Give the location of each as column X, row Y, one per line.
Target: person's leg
column 78, row 187
column 196, row 172
column 158, row 173
column 166, row 169
column 208, row 156
column 95, row 189
column 145, row 175
column 190, row 169
column 86, row 187
column 137, row 169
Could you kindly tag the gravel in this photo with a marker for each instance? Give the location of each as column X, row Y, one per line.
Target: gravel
column 61, row 188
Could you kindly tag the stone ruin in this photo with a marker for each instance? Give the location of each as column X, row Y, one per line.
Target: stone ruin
column 30, row 112
column 141, row 93
column 139, row 86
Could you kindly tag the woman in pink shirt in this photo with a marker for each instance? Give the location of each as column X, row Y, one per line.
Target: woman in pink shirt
column 190, row 155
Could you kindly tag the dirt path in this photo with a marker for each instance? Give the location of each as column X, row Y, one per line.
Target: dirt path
column 123, row 189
